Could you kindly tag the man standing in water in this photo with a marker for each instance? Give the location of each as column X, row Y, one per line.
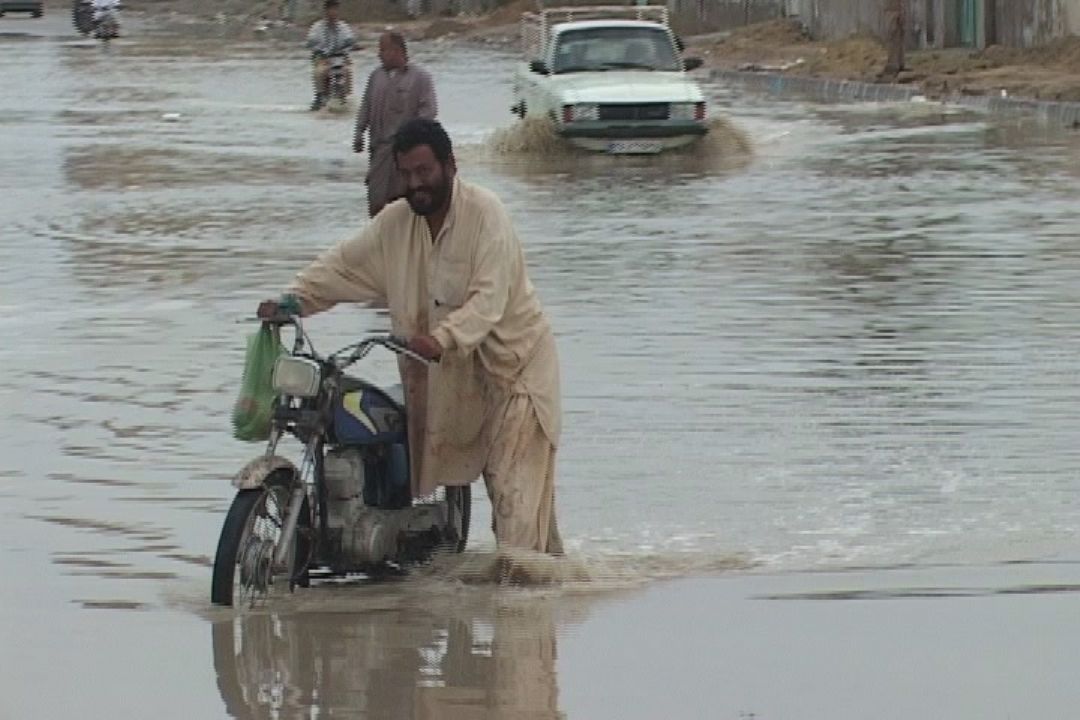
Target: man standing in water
column 396, row 91
column 327, row 37
column 448, row 265
column 896, row 29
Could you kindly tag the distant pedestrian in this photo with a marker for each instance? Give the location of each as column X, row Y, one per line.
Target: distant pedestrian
column 397, row 91
column 896, row 39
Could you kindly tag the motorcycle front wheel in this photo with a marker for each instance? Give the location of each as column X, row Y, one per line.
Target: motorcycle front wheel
column 244, row 567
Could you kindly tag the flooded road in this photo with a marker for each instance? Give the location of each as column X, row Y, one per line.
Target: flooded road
column 856, row 349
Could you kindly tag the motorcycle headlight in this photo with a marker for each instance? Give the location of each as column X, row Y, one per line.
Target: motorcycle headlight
column 295, row 376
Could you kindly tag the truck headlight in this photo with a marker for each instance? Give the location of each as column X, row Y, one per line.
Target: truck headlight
column 296, row 376
column 688, row 111
column 580, row 111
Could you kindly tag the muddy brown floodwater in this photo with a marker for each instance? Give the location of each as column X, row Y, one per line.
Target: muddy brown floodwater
column 820, row 453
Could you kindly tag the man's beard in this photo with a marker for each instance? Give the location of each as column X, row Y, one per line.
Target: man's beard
column 427, row 199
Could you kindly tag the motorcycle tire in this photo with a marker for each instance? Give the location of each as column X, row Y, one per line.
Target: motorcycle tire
column 223, row 590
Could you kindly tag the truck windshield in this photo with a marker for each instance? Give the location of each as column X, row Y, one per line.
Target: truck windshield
column 615, row 48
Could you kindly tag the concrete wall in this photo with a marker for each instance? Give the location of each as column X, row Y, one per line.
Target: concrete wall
column 930, row 23
column 936, row 23
column 1072, row 16
column 835, row 19
column 700, row 16
column 1026, row 23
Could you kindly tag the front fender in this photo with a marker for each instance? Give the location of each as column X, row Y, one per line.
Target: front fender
column 254, row 474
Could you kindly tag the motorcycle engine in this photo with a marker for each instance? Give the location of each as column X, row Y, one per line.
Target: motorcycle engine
column 364, row 534
column 343, row 470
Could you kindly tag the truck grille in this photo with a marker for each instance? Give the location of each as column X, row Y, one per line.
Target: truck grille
column 643, row 111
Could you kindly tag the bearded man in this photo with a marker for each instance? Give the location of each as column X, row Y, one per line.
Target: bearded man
column 447, row 263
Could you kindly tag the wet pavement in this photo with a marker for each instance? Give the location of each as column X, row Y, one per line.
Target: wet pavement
column 853, row 352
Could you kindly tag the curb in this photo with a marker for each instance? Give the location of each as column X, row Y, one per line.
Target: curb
column 1063, row 114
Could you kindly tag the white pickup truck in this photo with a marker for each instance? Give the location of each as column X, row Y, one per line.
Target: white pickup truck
column 611, row 78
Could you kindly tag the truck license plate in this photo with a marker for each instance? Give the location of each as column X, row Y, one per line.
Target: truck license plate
column 633, row 147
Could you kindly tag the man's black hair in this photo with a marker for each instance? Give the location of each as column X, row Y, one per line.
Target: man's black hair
column 331, row 3
column 421, row 131
column 397, row 38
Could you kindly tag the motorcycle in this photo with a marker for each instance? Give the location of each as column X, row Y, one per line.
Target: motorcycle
column 347, row 506
column 107, row 25
column 82, row 15
column 338, row 78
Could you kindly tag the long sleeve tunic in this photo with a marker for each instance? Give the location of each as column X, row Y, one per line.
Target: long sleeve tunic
column 469, row 288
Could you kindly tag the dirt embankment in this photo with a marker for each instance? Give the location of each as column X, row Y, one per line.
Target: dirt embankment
column 246, row 19
column 1050, row 72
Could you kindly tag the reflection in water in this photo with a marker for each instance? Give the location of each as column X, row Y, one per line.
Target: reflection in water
column 450, row 641
column 495, row 660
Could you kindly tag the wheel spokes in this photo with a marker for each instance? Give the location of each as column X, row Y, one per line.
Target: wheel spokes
column 254, row 572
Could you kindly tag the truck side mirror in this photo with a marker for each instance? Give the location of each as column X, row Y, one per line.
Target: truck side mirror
column 538, row 66
column 692, row 63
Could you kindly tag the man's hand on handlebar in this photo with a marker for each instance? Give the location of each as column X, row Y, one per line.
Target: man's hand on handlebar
column 426, row 347
column 268, row 310
column 280, row 310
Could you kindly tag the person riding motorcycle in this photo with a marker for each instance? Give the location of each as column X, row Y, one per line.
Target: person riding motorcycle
column 105, row 11
column 328, row 37
column 104, row 7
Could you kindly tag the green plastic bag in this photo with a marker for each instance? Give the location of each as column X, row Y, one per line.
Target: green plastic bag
column 253, row 412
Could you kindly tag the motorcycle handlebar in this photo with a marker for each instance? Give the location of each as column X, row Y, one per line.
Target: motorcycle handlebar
column 394, row 343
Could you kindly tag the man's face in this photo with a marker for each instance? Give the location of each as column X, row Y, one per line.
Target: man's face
column 427, row 181
column 332, row 13
column 391, row 56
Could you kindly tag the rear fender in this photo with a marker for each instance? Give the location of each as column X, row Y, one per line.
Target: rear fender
column 253, row 475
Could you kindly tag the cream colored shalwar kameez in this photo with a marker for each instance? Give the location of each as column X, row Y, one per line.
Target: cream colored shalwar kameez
column 491, row 405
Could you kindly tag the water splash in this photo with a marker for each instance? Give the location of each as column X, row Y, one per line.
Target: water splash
column 528, row 569
column 533, row 135
column 536, row 139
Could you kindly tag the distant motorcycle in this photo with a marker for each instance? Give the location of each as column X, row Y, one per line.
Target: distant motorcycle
column 339, row 79
column 82, row 15
column 346, row 506
column 107, row 23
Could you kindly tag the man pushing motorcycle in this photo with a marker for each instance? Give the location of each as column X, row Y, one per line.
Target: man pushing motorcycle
column 447, row 264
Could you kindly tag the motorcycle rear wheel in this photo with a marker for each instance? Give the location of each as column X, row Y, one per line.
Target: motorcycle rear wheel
column 244, row 570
